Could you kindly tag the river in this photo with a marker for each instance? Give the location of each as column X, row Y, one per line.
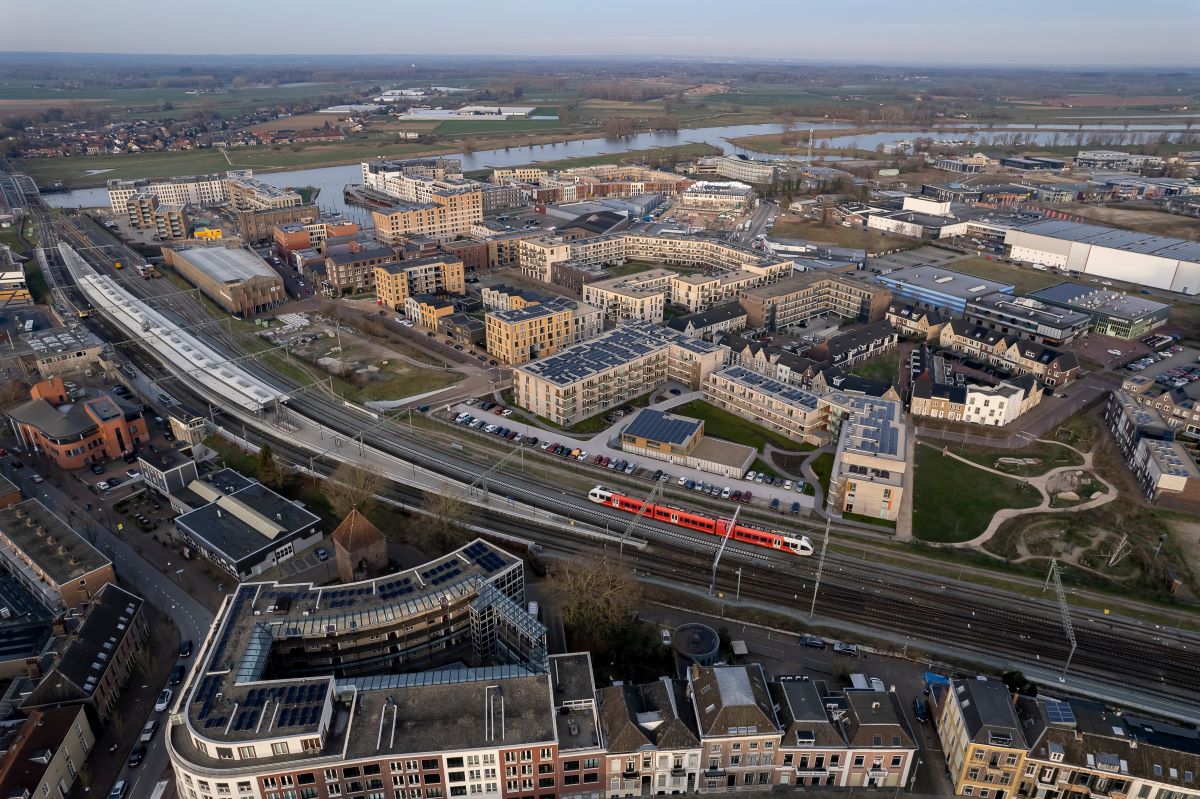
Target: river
column 330, row 180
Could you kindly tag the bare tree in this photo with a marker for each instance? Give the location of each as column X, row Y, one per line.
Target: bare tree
column 270, row 473
column 12, row 392
column 595, row 596
column 352, row 487
column 449, row 517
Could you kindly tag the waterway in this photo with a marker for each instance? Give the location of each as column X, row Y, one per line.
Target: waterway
column 331, row 180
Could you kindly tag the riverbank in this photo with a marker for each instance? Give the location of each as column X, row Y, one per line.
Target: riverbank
column 96, row 170
column 680, row 151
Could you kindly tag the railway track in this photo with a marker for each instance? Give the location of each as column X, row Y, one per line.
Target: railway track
column 896, row 600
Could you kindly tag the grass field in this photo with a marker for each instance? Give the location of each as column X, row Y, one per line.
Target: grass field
column 822, row 466
column 955, row 502
column 407, row 383
column 1051, row 456
column 720, row 423
column 788, row 226
column 1025, row 279
column 881, row 367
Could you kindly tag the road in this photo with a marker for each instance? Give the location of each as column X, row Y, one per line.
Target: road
column 892, row 601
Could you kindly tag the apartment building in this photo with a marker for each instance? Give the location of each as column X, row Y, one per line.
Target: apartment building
column 383, row 176
column 519, row 175
column 182, row 190
column 449, row 212
column 783, row 408
column 974, row 403
column 512, row 723
column 147, row 212
column 44, row 754
column 982, row 737
column 249, row 194
column 294, row 236
column 539, row 256
column 638, row 297
column 502, row 297
column 719, row 196
column 55, row 563
column 611, row 180
column 256, row 226
column 1018, row 356
column 1081, row 748
column 612, row 369
column 869, row 466
column 1177, row 405
column 74, row 434
column 775, row 363
column 521, row 335
column 396, row 281
column 923, row 324
column 740, row 734
column 651, row 741
column 1162, row 466
column 428, row 310
column 99, row 656
column 854, row 346
column 795, row 300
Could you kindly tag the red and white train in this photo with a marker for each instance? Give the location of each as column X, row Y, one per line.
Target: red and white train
column 746, row 533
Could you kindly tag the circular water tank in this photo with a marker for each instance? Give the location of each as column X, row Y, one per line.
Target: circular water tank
column 698, row 643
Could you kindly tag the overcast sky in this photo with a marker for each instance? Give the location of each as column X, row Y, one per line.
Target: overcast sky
column 1033, row 32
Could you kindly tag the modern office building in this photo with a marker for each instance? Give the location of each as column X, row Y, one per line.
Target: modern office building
column 76, row 433
column 243, row 527
column 1112, row 313
column 612, row 369
column 237, row 280
column 396, row 281
column 49, row 558
column 1103, row 252
column 64, row 350
column 795, row 300
column 930, row 286
column 1028, row 318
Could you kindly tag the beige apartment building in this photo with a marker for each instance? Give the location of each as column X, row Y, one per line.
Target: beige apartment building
column 612, row 369
column 446, row 214
column 396, row 281
column 707, row 195
column 43, row 756
column 640, row 297
column 806, row 295
column 785, row 409
column 525, row 174
column 982, row 737
column 249, row 194
column 146, row 212
column 182, row 190
column 518, row 336
column 538, row 256
column 872, row 456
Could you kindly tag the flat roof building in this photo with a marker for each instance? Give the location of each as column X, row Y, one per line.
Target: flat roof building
column 1104, row 252
column 612, row 369
column 49, row 557
column 246, row 527
column 1112, row 313
column 1028, row 318
column 932, row 286
column 237, row 280
column 64, row 350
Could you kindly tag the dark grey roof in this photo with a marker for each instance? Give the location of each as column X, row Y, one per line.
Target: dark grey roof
column 988, row 712
column 658, row 426
column 705, row 319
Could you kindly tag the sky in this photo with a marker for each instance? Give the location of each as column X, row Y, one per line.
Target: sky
column 934, row 32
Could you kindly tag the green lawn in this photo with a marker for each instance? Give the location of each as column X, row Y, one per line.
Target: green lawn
column 1051, row 456
column 407, row 383
column 881, row 367
column 822, row 466
column 953, row 501
column 720, row 423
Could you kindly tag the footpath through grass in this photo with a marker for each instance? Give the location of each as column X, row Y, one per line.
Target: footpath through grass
column 720, row 423
column 953, row 501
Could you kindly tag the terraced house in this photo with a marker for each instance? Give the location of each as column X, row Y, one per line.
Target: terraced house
column 1049, row 366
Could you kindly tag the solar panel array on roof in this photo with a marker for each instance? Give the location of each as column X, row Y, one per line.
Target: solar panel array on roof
column 658, row 426
column 483, row 556
column 610, row 350
column 1059, row 712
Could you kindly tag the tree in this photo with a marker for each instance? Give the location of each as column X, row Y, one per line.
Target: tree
column 270, row 473
column 352, row 488
column 449, row 515
column 12, row 392
column 594, row 595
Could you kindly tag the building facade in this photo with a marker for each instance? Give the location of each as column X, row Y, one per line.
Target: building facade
column 793, row 301
column 74, row 434
column 396, row 281
column 237, row 280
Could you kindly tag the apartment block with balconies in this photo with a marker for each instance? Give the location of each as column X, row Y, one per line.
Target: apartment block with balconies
column 981, row 736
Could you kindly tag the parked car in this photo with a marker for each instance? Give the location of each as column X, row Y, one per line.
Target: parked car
column 164, row 700
column 920, row 709
column 683, row 481
column 747, row 496
column 750, row 476
column 689, row 485
column 843, row 648
column 103, row 485
column 133, row 474
column 787, row 485
column 736, row 496
column 119, row 790
column 322, row 554
column 97, row 468
column 812, row 641
column 795, row 508
column 775, row 503
column 37, row 478
column 725, row 492
column 136, row 757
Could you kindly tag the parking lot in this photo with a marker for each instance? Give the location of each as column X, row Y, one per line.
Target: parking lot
column 1167, row 368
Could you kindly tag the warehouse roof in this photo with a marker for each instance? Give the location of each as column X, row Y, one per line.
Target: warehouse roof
column 1095, row 301
column 944, row 281
column 226, row 265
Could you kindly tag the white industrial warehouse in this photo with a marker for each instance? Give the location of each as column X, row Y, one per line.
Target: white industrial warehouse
column 1096, row 251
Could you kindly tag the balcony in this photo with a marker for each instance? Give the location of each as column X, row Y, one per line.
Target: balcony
column 678, row 772
column 714, row 772
column 877, row 773
column 630, row 774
